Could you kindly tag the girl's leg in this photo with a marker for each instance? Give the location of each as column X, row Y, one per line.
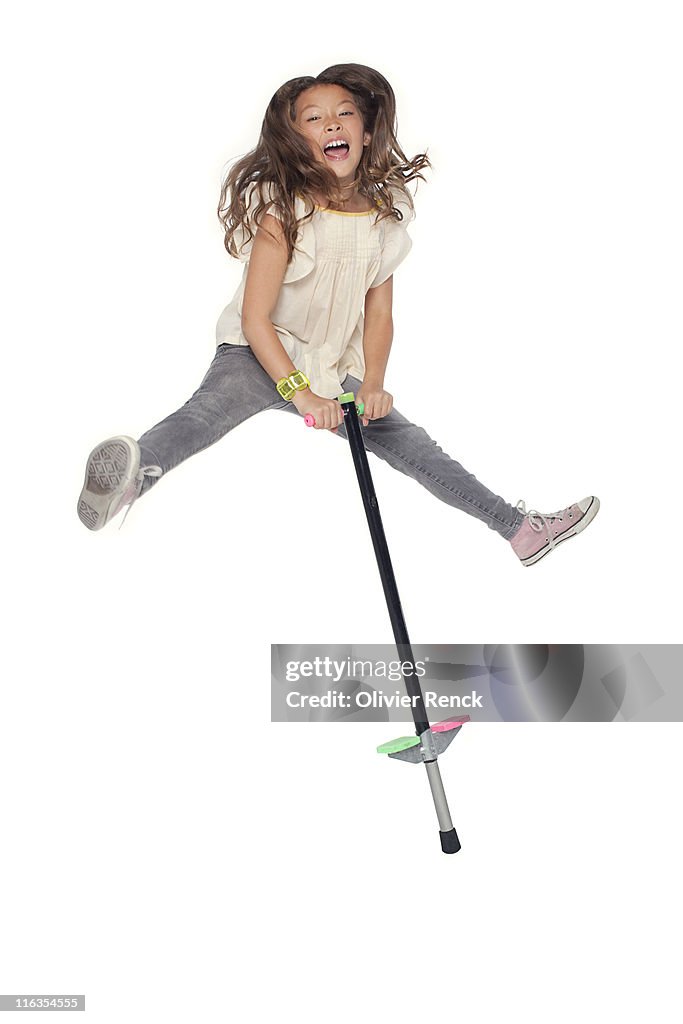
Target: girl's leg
column 412, row 451
column 235, row 387
column 120, row 469
column 409, row 449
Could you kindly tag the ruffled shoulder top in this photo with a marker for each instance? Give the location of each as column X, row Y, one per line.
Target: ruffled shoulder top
column 318, row 316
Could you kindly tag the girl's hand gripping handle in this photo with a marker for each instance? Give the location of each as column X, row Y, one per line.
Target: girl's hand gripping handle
column 309, row 419
column 322, row 413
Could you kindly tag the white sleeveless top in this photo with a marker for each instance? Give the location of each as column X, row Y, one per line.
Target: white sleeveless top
column 318, row 316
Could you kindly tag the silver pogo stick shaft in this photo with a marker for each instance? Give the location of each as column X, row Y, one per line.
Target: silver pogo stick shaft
column 439, row 794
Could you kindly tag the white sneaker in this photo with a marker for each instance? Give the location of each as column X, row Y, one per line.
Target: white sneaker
column 113, row 479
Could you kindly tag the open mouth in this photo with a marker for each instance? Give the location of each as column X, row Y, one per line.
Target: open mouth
column 336, row 150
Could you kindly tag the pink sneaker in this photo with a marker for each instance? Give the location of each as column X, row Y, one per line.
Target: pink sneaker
column 539, row 534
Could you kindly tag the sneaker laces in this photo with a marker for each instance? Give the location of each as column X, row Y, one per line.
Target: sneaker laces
column 136, row 487
column 539, row 521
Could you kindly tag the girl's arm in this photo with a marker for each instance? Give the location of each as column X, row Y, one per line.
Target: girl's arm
column 267, row 266
column 378, row 332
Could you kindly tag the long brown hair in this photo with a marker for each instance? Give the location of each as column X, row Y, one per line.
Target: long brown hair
column 284, row 161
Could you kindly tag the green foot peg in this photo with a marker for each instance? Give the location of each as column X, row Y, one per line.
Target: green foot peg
column 395, row 746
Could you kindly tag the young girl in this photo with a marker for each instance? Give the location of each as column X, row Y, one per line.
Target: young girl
column 318, row 212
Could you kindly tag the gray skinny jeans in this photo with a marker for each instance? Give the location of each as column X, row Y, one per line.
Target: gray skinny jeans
column 236, row 387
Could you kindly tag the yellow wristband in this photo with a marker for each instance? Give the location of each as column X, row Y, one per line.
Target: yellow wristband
column 296, row 381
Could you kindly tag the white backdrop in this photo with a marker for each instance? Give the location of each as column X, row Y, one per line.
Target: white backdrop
column 157, row 854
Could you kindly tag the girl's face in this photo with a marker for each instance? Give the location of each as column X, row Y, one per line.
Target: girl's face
column 327, row 114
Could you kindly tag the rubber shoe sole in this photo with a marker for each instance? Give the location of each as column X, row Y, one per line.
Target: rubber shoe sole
column 110, row 471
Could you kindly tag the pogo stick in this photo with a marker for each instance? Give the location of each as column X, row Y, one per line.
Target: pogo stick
column 429, row 741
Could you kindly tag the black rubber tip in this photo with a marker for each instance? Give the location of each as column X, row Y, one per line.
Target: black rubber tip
column 449, row 841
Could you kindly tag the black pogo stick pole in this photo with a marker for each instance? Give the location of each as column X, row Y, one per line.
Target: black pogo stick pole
column 449, row 837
